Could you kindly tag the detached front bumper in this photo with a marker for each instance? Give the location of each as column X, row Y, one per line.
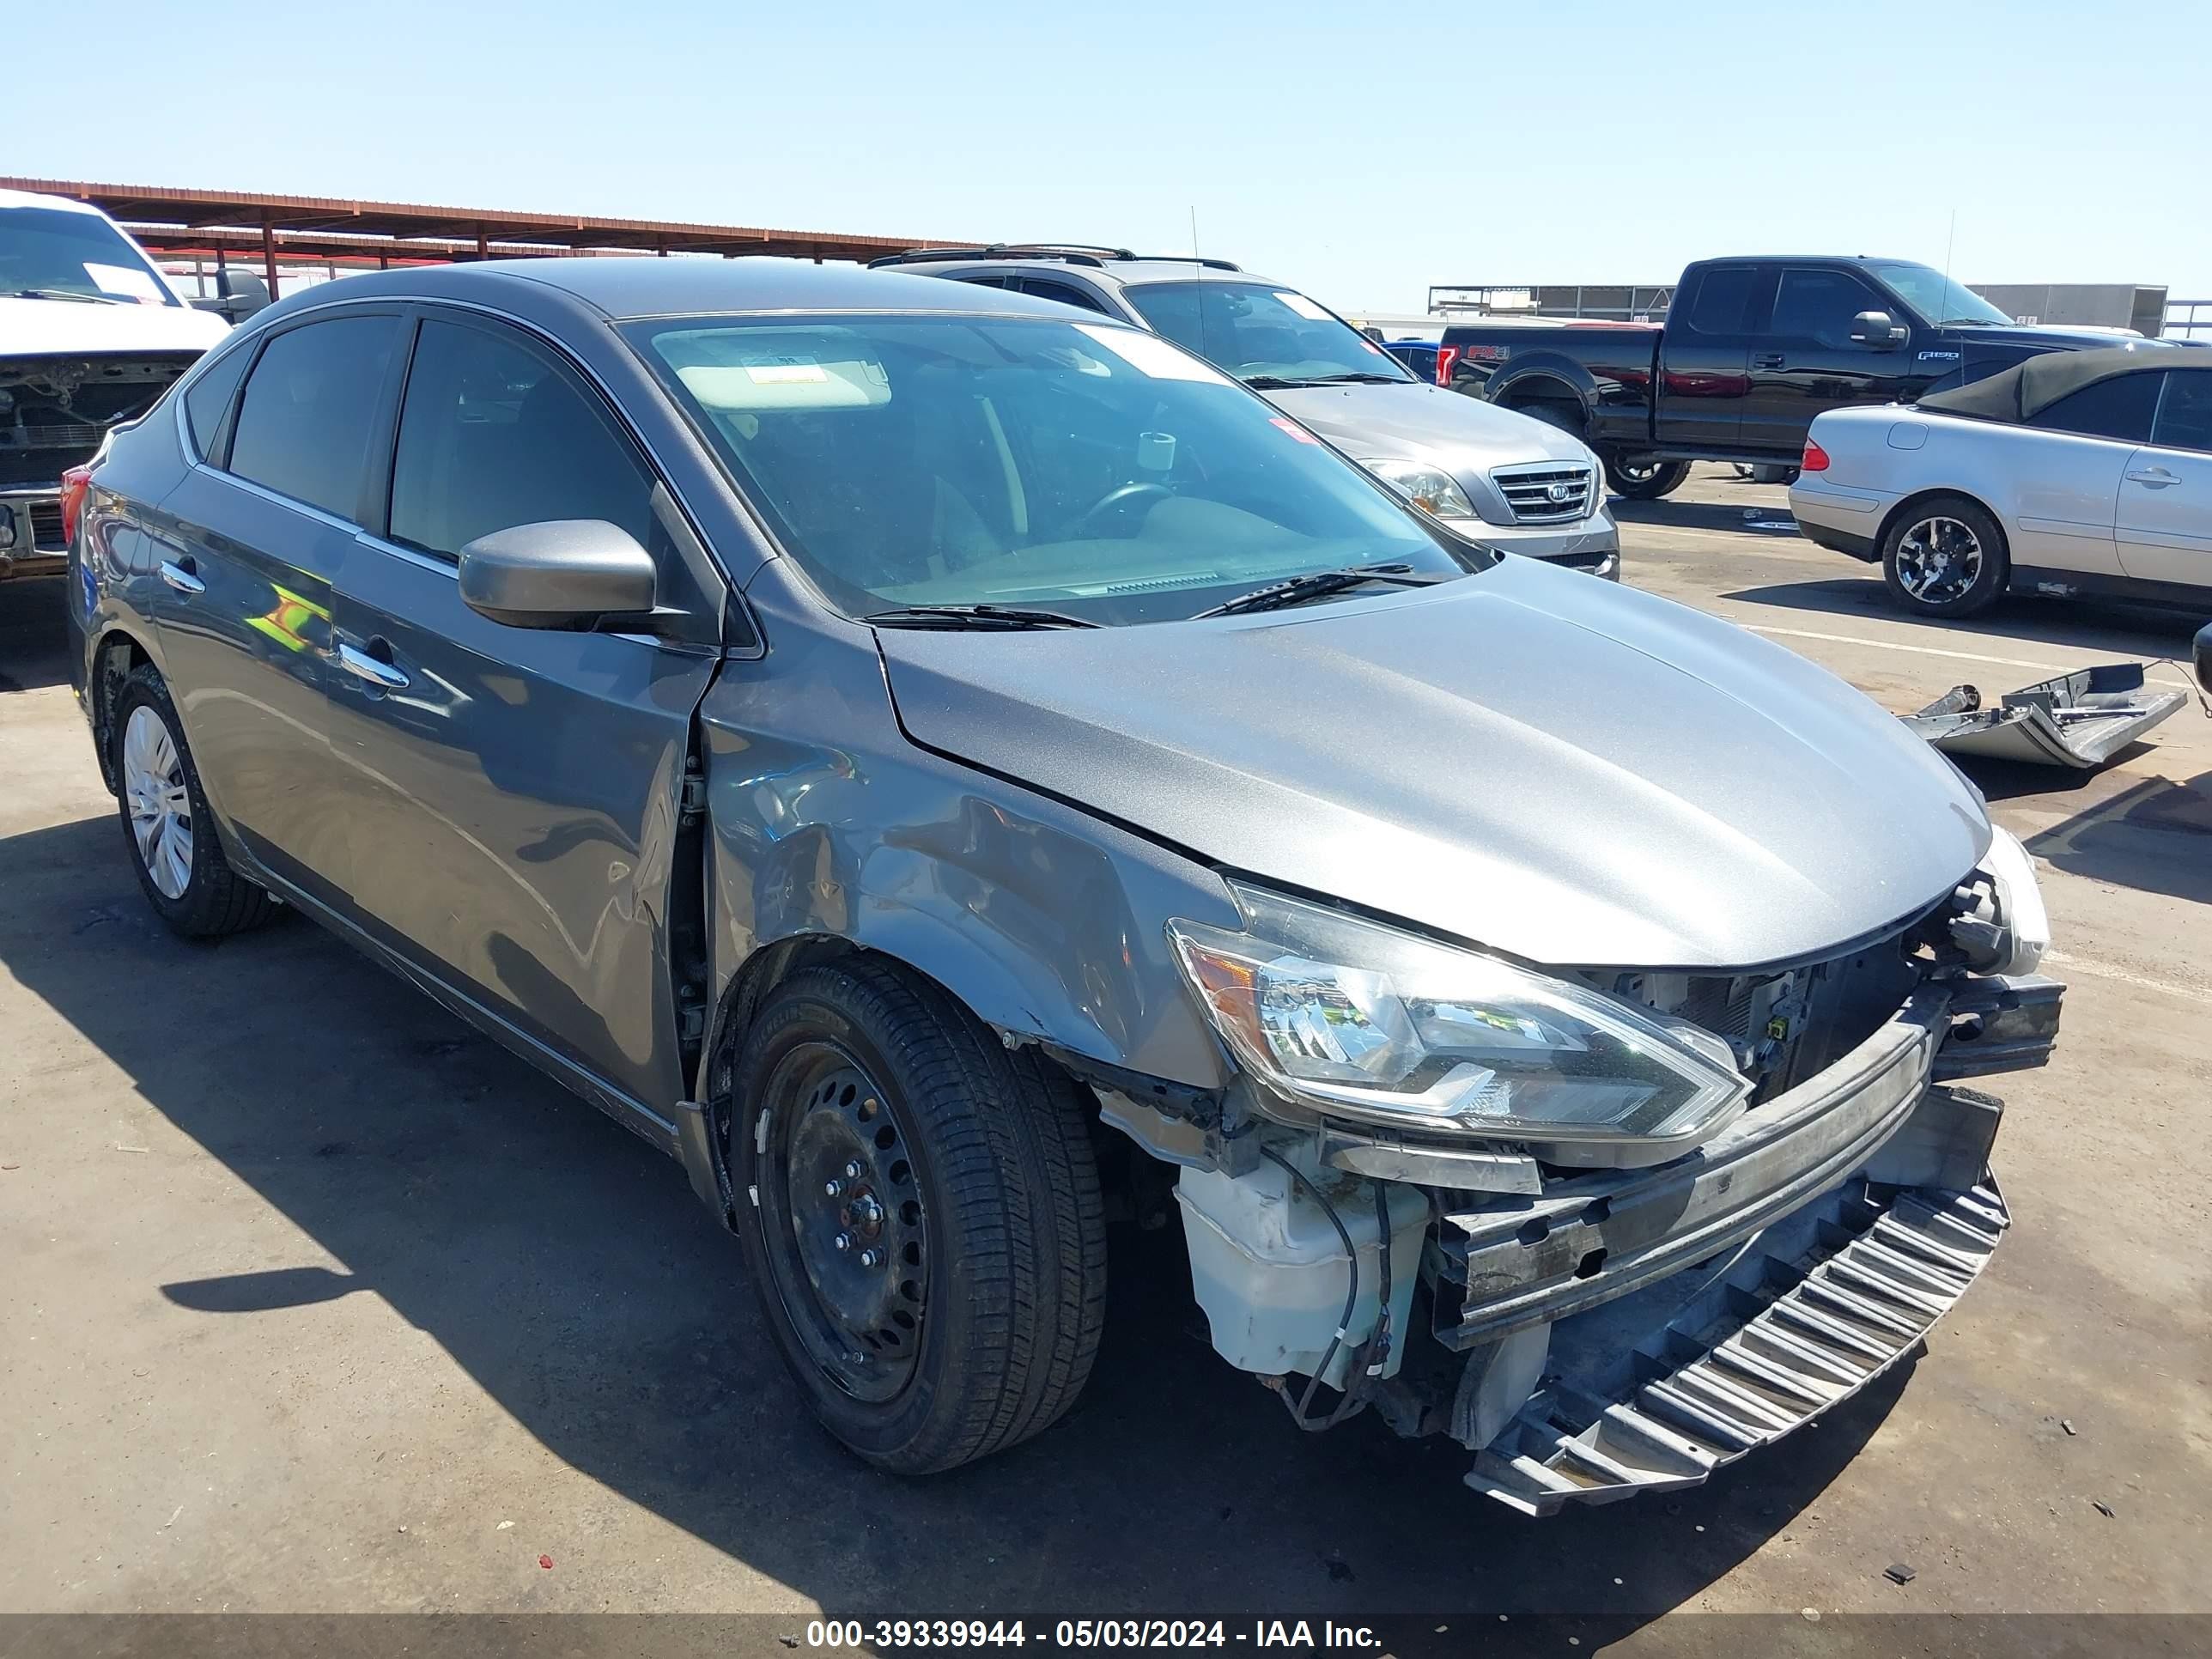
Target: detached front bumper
column 31, row 533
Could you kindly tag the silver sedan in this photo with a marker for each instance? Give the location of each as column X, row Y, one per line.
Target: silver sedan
column 2073, row 473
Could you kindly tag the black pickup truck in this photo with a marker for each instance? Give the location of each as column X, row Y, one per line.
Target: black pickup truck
column 1751, row 349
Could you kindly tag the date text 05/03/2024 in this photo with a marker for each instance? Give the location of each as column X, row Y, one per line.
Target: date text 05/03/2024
column 1281, row 1634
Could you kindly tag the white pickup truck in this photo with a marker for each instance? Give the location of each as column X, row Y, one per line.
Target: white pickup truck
column 91, row 334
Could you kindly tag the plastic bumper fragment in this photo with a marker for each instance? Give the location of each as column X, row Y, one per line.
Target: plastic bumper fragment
column 2080, row 720
column 1807, row 1315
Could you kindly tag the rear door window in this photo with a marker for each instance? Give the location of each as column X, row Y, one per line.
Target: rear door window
column 1723, row 297
column 2184, row 415
column 494, row 434
column 310, row 409
column 2119, row 409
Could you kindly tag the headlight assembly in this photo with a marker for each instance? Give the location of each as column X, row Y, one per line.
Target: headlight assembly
column 2013, row 939
column 1351, row 1019
column 1429, row 488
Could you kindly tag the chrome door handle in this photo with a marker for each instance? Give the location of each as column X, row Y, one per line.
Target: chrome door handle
column 361, row 666
column 181, row 577
column 1767, row 360
column 2156, row 476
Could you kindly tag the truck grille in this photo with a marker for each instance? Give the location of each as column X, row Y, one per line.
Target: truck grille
column 1545, row 492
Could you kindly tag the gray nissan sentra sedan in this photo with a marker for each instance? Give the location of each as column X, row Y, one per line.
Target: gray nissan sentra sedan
column 918, row 757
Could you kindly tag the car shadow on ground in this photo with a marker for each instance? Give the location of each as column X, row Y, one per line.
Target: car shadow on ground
column 34, row 635
column 2123, row 631
column 1743, row 517
column 2155, row 835
column 567, row 1269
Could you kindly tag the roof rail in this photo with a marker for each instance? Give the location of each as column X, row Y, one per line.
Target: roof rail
column 1073, row 255
column 1184, row 259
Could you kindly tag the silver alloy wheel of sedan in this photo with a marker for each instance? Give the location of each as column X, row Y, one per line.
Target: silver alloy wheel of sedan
column 160, row 805
column 1939, row 559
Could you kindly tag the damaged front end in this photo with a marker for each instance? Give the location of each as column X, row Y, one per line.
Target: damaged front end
column 1609, row 1230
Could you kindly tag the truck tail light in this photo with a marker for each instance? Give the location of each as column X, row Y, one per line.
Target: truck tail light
column 75, row 482
column 1816, row 458
column 1446, row 356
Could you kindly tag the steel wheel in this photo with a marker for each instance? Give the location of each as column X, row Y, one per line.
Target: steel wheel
column 1938, row 559
column 160, row 806
column 845, row 1228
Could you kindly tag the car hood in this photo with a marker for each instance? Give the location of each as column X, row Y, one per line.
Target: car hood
column 2035, row 336
column 1569, row 771
column 1411, row 421
column 53, row 328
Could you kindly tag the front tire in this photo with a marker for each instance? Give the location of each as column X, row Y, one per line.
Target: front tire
column 170, row 833
column 1643, row 480
column 1945, row 557
column 920, row 1212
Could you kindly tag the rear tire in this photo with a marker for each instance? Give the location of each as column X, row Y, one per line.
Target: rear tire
column 1568, row 417
column 1945, row 557
column 174, row 851
column 1773, row 472
column 1643, row 480
column 961, row 1310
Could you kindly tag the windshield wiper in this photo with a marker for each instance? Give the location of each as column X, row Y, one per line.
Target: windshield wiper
column 1280, row 383
column 1316, row 583
column 68, row 294
column 973, row 615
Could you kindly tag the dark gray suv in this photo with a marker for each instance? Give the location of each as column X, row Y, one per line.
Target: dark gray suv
column 926, row 760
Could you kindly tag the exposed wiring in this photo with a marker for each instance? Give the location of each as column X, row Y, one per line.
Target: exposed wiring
column 1723, row 1270
column 1379, row 1344
column 1349, row 1403
column 2189, row 680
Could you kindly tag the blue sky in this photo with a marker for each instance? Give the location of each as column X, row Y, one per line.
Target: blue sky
column 1362, row 153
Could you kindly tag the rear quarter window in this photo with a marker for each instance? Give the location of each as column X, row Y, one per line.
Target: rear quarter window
column 208, row 399
column 2119, row 409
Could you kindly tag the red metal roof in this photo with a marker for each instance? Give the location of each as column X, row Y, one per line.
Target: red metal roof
column 171, row 221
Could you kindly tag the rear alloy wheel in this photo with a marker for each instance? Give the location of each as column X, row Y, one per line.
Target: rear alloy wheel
column 1644, row 478
column 1945, row 558
column 178, row 861
column 921, row 1216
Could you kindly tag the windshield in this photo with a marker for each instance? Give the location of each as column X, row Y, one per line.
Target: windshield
column 53, row 253
column 1936, row 296
column 1261, row 332
column 1091, row 468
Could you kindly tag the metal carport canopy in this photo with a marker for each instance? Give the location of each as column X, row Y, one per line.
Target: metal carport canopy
column 278, row 227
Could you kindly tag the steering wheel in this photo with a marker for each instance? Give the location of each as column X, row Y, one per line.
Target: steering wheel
column 1116, row 505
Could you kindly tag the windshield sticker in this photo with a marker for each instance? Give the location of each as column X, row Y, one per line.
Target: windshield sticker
column 730, row 389
column 123, row 280
column 1305, row 308
column 1149, row 355
column 1294, row 429
column 785, row 374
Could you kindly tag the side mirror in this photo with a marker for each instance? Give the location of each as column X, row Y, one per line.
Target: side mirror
column 1877, row 329
column 564, row 573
